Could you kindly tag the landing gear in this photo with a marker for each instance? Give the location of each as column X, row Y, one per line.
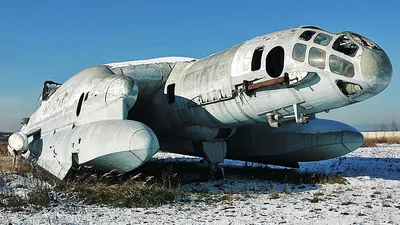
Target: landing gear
column 215, row 153
column 216, row 172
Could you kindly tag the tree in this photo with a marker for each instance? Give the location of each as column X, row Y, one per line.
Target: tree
column 383, row 127
column 394, row 125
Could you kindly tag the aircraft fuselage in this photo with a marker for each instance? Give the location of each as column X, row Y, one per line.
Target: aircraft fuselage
column 255, row 101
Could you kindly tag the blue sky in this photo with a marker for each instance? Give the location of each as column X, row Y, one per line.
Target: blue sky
column 41, row 40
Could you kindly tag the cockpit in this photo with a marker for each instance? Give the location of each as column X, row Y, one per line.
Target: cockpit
column 316, row 56
column 49, row 87
column 345, row 54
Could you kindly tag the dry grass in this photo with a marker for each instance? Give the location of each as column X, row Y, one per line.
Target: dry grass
column 38, row 196
column 3, row 148
column 126, row 194
column 158, row 184
column 7, row 164
column 132, row 191
column 371, row 142
column 12, row 203
column 9, row 200
column 274, row 194
column 315, row 199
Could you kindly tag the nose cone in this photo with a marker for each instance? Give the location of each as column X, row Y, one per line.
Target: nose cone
column 352, row 140
column 144, row 144
column 376, row 69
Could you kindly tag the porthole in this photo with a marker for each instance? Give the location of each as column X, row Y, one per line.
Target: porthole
column 275, row 61
column 256, row 61
column 171, row 93
column 79, row 107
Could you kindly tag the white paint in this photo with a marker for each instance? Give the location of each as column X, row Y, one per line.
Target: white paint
column 209, row 93
column 18, row 141
column 150, row 61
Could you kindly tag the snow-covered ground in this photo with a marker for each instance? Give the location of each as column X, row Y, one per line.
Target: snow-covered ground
column 370, row 197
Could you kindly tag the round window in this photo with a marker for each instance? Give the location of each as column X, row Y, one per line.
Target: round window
column 275, row 61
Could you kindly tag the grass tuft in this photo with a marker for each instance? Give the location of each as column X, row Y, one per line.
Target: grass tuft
column 274, row 194
column 39, row 196
column 3, row 149
column 128, row 194
column 315, row 199
column 12, row 203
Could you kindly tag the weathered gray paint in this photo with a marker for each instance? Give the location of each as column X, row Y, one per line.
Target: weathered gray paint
column 209, row 106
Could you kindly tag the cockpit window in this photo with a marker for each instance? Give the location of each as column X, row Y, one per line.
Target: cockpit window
column 341, row 66
column 345, row 45
column 49, row 87
column 323, row 39
column 316, row 58
column 306, row 35
column 299, row 52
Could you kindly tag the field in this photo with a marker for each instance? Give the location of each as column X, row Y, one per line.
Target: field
column 361, row 187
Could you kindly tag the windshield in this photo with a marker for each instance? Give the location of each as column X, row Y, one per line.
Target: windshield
column 341, row 66
column 323, row 39
column 49, row 87
column 316, row 58
column 345, row 45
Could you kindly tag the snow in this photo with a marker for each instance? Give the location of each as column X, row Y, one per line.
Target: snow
column 150, row 61
column 370, row 197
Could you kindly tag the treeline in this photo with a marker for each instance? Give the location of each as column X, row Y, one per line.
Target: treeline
column 384, row 127
column 4, row 136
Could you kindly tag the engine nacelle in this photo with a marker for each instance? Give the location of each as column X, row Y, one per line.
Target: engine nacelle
column 291, row 143
column 121, row 145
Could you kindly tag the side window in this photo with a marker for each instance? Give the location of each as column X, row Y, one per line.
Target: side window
column 341, row 66
column 306, row 35
column 79, row 106
column 316, row 58
column 299, row 52
column 275, row 61
column 171, row 93
column 323, row 39
column 256, row 61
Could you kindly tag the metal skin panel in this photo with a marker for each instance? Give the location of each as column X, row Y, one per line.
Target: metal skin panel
column 234, row 96
column 203, row 89
column 103, row 89
column 318, row 140
column 204, row 81
column 86, row 116
column 149, row 77
column 120, row 145
column 51, row 153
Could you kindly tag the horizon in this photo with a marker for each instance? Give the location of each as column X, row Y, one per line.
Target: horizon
column 359, row 127
column 55, row 40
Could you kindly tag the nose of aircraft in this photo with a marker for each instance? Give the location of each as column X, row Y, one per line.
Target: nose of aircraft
column 376, row 69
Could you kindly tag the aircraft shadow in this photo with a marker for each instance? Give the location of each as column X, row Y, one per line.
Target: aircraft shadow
column 376, row 168
column 253, row 178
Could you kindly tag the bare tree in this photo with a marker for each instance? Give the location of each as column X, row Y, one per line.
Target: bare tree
column 394, row 125
column 383, row 127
